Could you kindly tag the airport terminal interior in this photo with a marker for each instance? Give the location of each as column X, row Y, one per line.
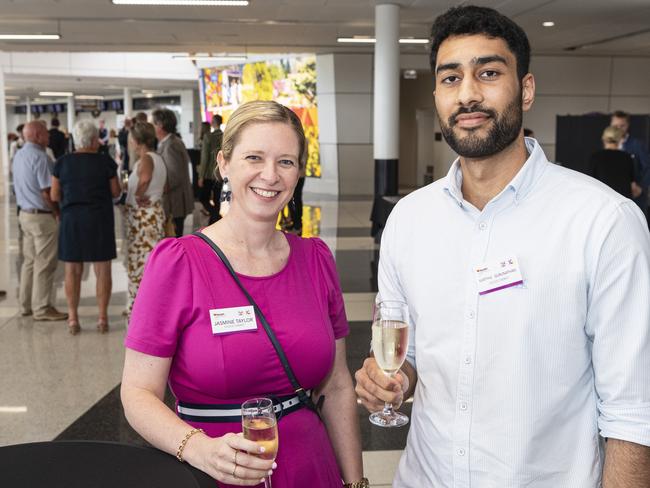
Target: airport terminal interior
column 106, row 62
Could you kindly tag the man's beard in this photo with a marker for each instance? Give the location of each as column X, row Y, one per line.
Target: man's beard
column 505, row 129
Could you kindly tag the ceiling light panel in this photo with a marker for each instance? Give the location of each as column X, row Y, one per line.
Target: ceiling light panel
column 55, row 94
column 29, row 37
column 371, row 40
column 198, row 3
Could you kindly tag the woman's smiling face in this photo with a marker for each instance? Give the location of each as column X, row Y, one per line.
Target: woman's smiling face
column 263, row 169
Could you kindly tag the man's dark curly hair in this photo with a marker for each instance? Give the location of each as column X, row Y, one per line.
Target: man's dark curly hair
column 472, row 20
column 166, row 119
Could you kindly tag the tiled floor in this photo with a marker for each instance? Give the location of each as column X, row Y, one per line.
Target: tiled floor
column 58, row 386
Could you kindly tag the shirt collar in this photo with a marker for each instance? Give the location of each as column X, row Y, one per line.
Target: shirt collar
column 33, row 145
column 521, row 184
column 165, row 138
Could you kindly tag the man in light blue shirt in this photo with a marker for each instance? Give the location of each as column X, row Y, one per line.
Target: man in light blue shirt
column 37, row 219
column 527, row 286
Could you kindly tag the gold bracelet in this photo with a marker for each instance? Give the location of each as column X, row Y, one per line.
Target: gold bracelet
column 179, row 452
column 362, row 483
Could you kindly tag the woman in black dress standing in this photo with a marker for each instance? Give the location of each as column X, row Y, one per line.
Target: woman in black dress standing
column 614, row 167
column 85, row 183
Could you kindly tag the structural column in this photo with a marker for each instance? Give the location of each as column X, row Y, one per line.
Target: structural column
column 28, row 108
column 128, row 103
column 386, row 99
column 4, row 149
column 71, row 114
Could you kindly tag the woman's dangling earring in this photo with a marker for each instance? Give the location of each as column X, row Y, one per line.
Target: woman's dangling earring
column 225, row 198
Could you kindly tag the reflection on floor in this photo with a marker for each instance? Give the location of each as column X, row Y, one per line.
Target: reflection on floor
column 56, row 386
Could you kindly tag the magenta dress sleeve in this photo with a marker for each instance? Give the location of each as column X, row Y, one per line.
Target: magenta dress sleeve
column 336, row 307
column 163, row 304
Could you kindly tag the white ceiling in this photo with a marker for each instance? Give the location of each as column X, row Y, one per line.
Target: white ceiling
column 309, row 25
column 602, row 27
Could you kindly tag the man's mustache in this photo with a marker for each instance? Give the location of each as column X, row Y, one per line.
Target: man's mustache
column 468, row 110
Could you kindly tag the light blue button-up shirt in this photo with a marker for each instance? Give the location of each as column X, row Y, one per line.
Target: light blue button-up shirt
column 515, row 386
column 32, row 173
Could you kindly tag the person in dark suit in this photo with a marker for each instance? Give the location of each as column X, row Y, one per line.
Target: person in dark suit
column 635, row 148
column 210, row 183
column 123, row 140
column 178, row 201
column 614, row 167
column 103, row 137
column 58, row 143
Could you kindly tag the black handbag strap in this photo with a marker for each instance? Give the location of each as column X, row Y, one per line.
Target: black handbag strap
column 299, row 390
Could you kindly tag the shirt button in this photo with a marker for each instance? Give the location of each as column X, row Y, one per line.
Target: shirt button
column 482, row 226
column 460, row 452
column 462, row 406
column 468, row 360
column 470, row 314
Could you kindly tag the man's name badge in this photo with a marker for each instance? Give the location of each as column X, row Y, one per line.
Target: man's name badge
column 235, row 319
column 498, row 275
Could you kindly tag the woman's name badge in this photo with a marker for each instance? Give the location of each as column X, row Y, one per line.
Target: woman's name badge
column 498, row 275
column 235, row 319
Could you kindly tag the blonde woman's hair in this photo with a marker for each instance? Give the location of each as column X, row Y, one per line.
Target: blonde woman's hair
column 144, row 133
column 612, row 135
column 261, row 112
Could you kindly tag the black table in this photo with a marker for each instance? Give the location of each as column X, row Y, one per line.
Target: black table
column 381, row 209
column 91, row 464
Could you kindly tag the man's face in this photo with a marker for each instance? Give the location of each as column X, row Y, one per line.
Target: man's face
column 620, row 123
column 478, row 96
column 160, row 132
column 43, row 137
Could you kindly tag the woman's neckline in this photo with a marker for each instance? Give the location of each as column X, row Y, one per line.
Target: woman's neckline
column 290, row 241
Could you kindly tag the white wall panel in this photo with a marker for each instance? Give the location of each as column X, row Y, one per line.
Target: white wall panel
column 357, row 169
column 325, row 74
column 564, row 75
column 419, row 62
column 327, row 122
column 631, row 76
column 354, row 118
column 633, row 105
column 353, row 73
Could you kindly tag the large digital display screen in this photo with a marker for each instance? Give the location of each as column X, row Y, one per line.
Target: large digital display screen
column 289, row 81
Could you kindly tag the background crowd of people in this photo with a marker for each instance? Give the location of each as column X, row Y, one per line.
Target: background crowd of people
column 67, row 188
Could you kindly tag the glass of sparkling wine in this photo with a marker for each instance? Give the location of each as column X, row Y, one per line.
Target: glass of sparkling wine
column 389, row 346
column 260, row 425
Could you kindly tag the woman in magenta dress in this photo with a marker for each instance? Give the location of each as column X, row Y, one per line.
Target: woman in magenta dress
column 172, row 337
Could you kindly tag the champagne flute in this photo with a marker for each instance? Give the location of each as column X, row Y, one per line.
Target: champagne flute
column 260, row 425
column 389, row 346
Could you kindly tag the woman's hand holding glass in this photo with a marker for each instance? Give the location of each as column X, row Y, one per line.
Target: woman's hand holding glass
column 230, row 459
column 260, row 425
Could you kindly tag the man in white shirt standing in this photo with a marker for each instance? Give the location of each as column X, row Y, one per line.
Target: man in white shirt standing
column 527, row 286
